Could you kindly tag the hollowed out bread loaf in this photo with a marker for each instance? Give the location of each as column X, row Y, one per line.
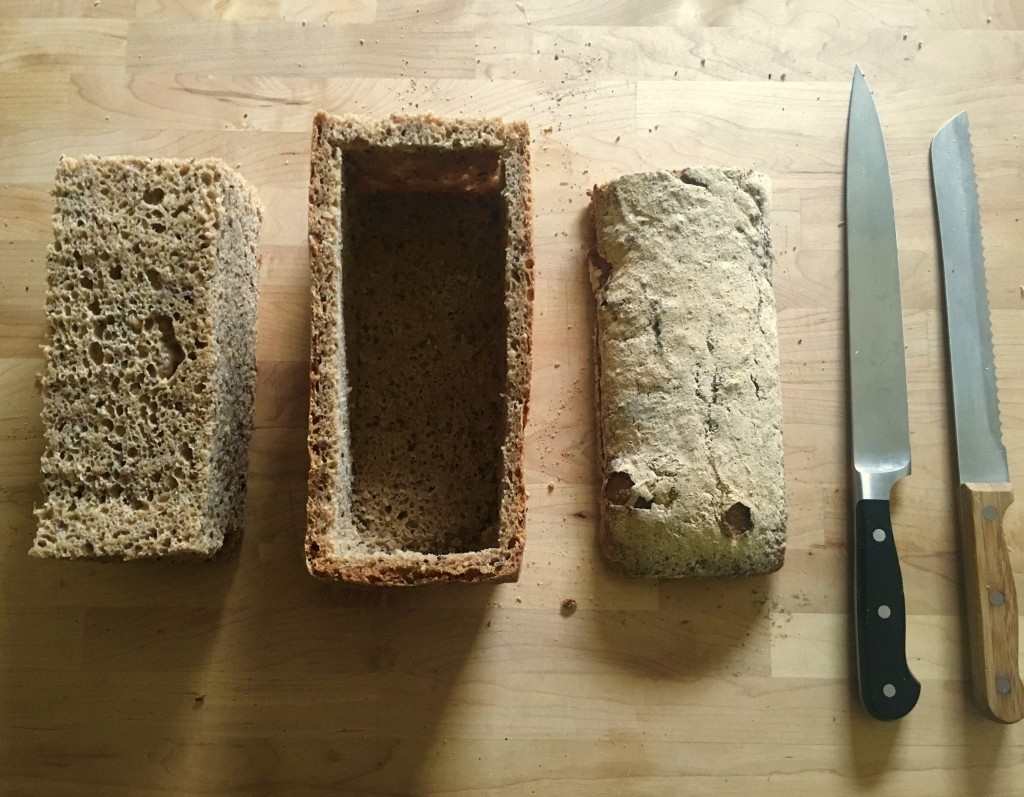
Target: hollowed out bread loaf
column 688, row 375
column 420, row 240
column 151, row 366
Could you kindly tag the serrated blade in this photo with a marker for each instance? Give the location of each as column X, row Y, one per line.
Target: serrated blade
column 979, row 444
column 878, row 374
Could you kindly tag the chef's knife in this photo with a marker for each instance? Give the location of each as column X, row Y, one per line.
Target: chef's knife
column 985, row 490
column 878, row 407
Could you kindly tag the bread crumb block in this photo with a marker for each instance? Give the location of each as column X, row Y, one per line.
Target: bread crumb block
column 422, row 276
column 151, row 367
column 688, row 375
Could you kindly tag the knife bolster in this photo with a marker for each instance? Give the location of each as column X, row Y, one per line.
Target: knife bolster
column 876, row 485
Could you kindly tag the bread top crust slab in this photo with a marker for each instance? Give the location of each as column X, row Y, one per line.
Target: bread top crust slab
column 150, row 365
column 410, row 154
column 688, row 375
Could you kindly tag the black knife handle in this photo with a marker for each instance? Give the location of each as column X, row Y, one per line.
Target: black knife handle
column 888, row 689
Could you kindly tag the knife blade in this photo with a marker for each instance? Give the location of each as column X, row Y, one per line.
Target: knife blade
column 985, row 491
column 879, row 416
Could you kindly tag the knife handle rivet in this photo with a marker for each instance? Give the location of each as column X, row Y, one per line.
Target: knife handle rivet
column 884, row 612
column 879, row 535
column 889, row 690
column 995, row 597
column 990, row 512
column 1003, row 685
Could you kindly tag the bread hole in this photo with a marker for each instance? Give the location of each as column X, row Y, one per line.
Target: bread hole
column 137, row 504
column 154, row 278
column 186, row 452
column 171, row 353
column 87, row 548
column 179, row 210
column 736, row 521
column 154, row 196
column 106, row 424
column 94, row 307
column 686, row 177
column 603, row 267
column 96, row 353
column 116, row 272
column 119, row 427
column 87, row 283
column 207, row 178
column 184, row 169
column 643, row 503
column 132, row 452
column 618, row 487
column 158, row 227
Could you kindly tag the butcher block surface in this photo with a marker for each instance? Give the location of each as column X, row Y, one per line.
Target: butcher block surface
column 246, row 676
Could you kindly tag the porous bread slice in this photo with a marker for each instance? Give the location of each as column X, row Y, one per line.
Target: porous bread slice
column 420, row 241
column 151, row 363
column 689, row 403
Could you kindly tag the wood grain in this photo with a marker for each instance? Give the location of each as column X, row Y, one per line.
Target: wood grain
column 991, row 598
column 246, row 676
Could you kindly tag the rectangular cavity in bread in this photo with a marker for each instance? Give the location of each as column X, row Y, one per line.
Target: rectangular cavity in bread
column 151, row 362
column 690, row 412
column 422, row 284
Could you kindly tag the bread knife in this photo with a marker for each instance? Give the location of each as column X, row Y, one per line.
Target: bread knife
column 984, row 475
column 880, row 425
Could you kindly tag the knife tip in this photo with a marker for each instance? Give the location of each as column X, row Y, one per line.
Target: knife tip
column 956, row 125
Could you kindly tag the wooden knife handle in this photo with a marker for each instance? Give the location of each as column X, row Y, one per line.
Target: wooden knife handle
column 991, row 601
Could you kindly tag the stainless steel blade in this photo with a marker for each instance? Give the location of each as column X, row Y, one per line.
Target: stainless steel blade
column 979, row 444
column 878, row 374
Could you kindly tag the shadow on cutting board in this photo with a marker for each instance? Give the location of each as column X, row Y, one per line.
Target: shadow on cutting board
column 239, row 674
column 97, row 661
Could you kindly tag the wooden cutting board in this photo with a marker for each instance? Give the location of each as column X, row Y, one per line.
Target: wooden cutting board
column 246, row 676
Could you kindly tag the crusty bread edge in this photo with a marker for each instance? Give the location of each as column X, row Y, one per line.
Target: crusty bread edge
column 329, row 496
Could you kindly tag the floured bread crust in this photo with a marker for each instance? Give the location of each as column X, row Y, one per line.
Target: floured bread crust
column 690, row 409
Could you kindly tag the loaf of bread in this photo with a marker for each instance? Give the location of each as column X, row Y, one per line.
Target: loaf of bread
column 151, row 364
column 420, row 241
column 690, row 418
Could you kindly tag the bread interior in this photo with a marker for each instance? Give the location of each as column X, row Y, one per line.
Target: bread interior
column 423, row 284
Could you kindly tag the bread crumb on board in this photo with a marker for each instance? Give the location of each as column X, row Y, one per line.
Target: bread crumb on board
column 568, row 606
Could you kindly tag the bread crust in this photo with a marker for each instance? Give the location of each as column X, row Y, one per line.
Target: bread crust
column 689, row 401
column 330, row 512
